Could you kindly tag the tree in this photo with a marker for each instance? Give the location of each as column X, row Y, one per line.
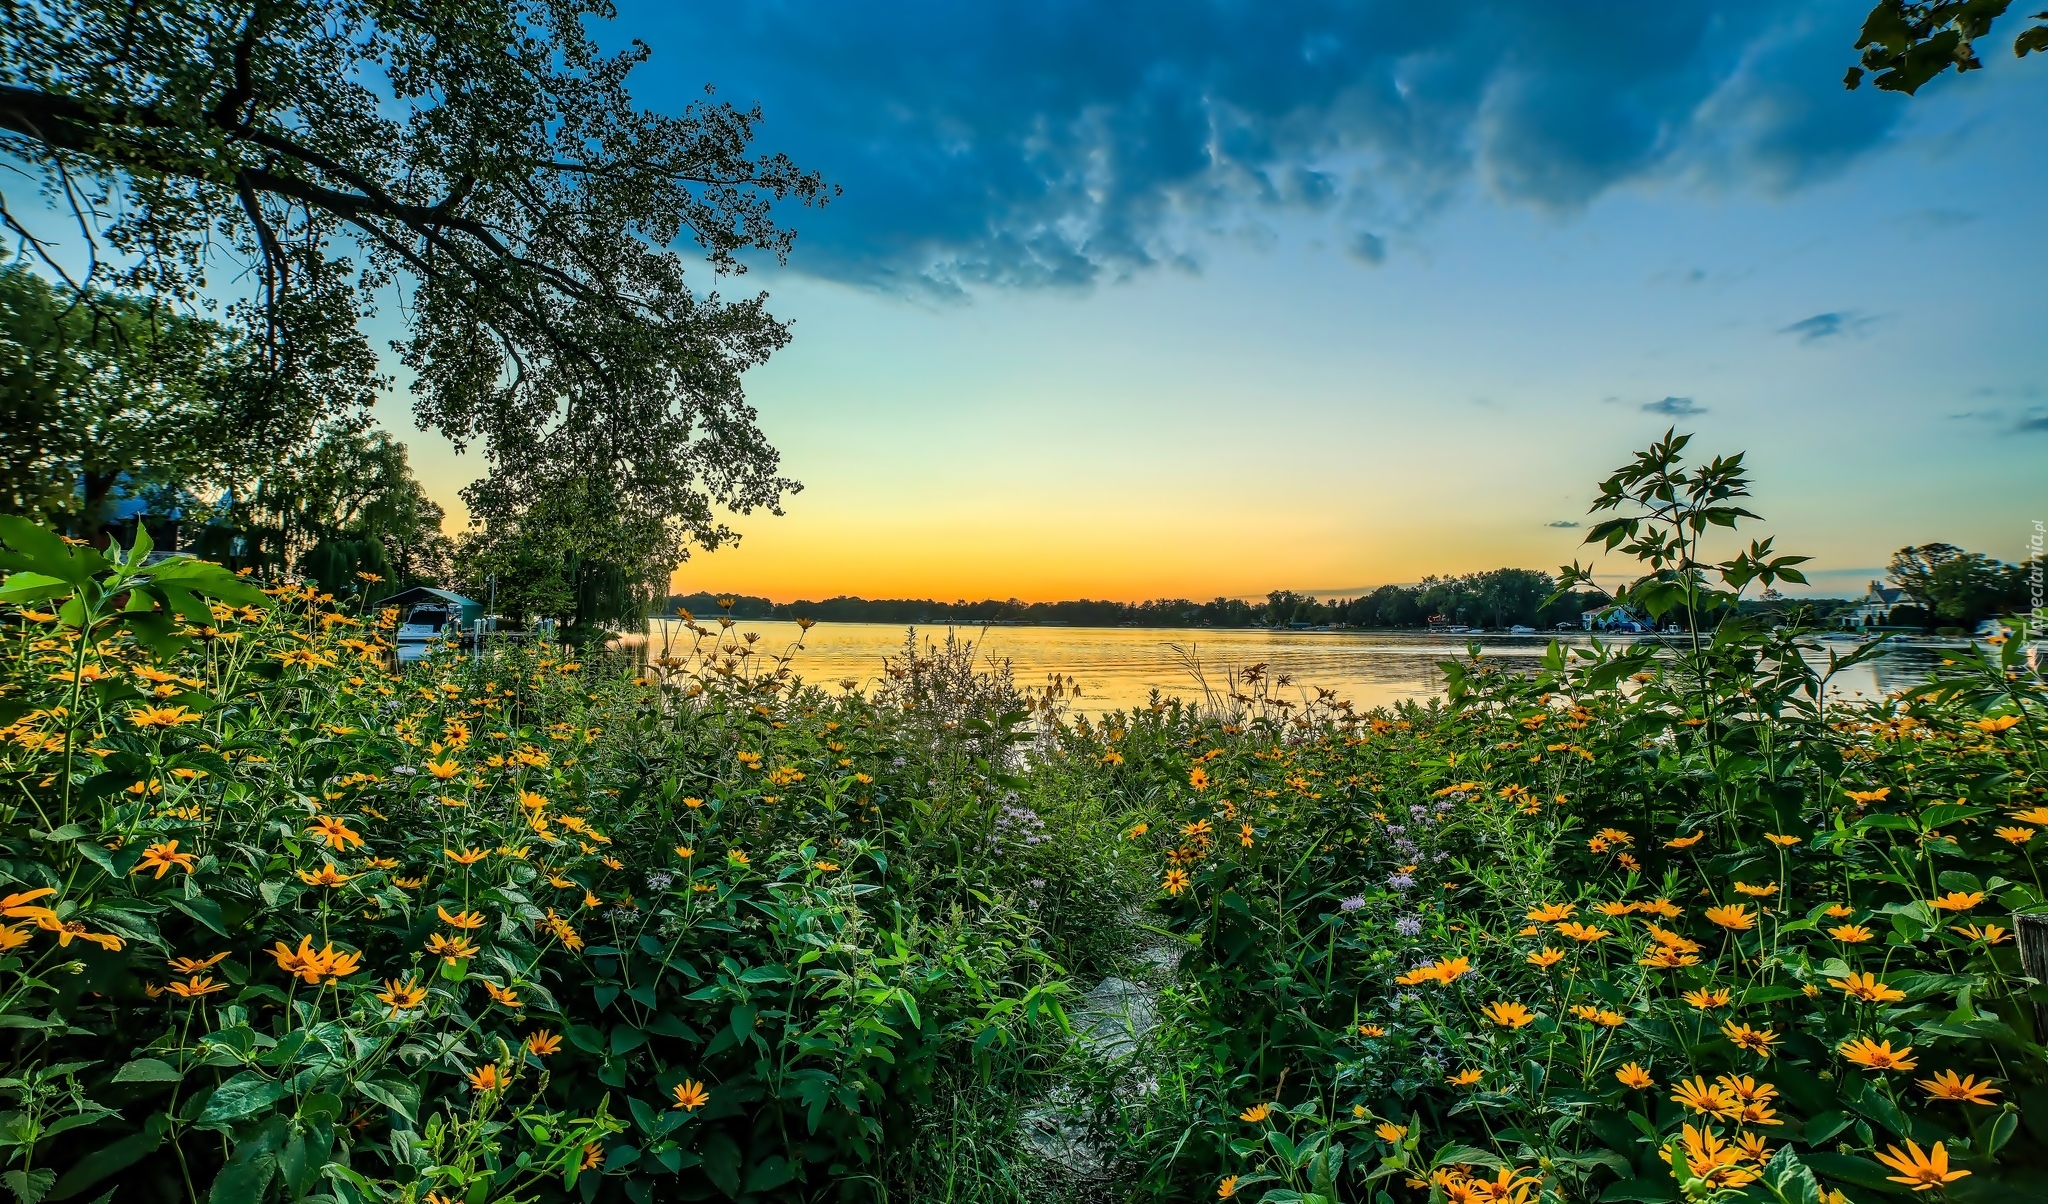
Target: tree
column 484, row 156
column 1957, row 587
column 344, row 505
column 107, row 390
column 1908, row 42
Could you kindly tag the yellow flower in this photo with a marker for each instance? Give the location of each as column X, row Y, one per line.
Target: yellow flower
column 825, row 867
column 1869, row 796
column 163, row 857
column 1875, row 1055
column 468, row 921
column 1990, row 934
column 196, row 988
column 326, row 876
column 163, row 717
column 1371, row 1030
column 1866, row 988
column 502, row 995
column 310, row 965
column 1256, row 1113
column 1947, row 1085
column 1551, row 913
column 1851, row 934
column 1507, row 1015
column 1703, row 1099
column 1756, row 1041
column 1464, row 1078
column 1684, row 842
column 1391, row 1133
column 1757, row 892
column 691, row 1095
column 449, row 949
column 1783, row 842
column 1922, row 1171
column 531, row 801
column 402, row 996
column 337, row 834
column 1634, row 1077
column 1176, row 881
column 193, row 965
column 1227, row 1188
column 1706, row 1000
column 1711, row 1159
column 2033, row 815
column 466, row 856
column 444, row 770
column 1582, row 932
column 737, row 857
column 1546, row 957
column 1734, row 917
column 1198, row 778
column 1956, row 900
column 485, row 1079
column 541, row 1043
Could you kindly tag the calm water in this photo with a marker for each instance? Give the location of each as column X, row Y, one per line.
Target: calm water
column 1120, row 666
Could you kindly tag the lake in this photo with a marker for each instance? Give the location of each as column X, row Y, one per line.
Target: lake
column 1120, row 667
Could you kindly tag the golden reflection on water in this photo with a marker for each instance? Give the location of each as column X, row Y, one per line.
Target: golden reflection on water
column 1121, row 667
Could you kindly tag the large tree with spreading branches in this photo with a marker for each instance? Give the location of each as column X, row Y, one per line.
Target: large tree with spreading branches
column 554, row 250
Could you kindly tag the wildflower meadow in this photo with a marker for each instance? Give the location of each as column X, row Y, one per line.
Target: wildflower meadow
column 1662, row 921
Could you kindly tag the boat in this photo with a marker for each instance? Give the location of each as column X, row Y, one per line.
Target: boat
column 427, row 615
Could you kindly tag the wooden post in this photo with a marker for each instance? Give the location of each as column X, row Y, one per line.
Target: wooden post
column 2033, row 938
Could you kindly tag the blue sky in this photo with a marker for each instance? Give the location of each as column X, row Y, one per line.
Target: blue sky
column 1200, row 298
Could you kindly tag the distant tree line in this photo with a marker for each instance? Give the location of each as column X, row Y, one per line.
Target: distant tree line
column 1498, row 598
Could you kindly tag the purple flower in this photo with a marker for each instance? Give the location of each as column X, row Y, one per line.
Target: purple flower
column 1400, row 881
column 1354, row 903
column 659, row 880
column 1408, row 926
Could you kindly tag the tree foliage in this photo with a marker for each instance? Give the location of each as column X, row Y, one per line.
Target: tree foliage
column 345, row 504
column 106, row 390
column 1951, row 586
column 1908, row 42
column 484, row 157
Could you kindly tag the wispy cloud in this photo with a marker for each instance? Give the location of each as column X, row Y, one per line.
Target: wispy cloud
column 1564, row 523
column 1832, row 324
column 1674, row 407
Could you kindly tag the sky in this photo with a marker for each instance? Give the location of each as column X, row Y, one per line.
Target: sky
column 1209, row 298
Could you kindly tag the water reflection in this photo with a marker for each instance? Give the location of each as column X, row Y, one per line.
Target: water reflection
column 1115, row 667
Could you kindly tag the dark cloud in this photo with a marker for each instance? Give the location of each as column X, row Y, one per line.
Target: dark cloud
column 1059, row 143
column 1367, row 247
column 1563, row 523
column 2034, row 421
column 1825, row 326
column 1674, row 407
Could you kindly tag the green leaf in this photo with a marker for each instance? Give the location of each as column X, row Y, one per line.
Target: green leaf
column 397, row 1094
column 204, row 910
column 148, row 1070
column 119, row 1156
column 29, row 1187
column 244, row 1095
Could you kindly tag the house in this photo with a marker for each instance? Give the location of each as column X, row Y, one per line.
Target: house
column 1874, row 609
column 1613, row 618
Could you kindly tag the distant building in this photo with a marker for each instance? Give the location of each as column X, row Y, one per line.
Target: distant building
column 1875, row 608
column 1614, row 618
